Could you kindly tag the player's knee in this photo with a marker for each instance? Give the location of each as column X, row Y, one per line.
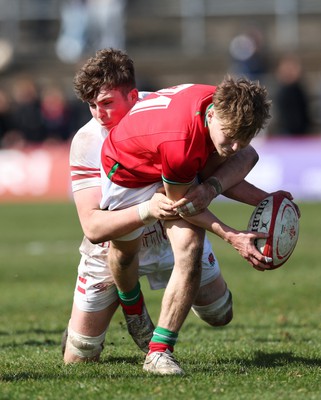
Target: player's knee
column 124, row 254
column 194, row 245
column 190, row 267
column 123, row 261
column 86, row 348
column 218, row 313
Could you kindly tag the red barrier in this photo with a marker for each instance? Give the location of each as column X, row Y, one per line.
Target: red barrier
column 37, row 173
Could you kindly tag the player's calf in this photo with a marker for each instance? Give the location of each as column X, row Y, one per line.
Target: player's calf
column 218, row 313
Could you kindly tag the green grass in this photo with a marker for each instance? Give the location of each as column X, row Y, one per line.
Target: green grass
column 270, row 350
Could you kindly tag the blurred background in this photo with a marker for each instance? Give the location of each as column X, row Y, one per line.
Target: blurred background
column 43, row 44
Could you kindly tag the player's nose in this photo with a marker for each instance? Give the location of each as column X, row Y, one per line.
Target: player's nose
column 100, row 112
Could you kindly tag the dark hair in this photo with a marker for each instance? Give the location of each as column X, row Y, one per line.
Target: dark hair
column 109, row 68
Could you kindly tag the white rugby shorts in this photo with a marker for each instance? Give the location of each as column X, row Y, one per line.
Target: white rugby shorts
column 115, row 197
column 95, row 289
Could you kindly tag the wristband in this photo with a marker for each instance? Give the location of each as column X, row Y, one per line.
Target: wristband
column 144, row 214
column 216, row 185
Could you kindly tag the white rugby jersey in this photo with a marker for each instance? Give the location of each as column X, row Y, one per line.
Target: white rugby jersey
column 84, row 159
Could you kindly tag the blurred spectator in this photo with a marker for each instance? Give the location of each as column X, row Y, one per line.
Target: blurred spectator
column 55, row 114
column 80, row 115
column 5, row 114
column 72, row 38
column 6, row 53
column 248, row 55
column 36, row 115
column 291, row 99
column 90, row 25
column 26, row 113
column 9, row 137
column 106, row 24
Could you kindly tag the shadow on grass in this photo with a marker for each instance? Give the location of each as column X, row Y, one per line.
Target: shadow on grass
column 263, row 327
column 30, row 342
column 37, row 331
column 261, row 360
column 272, row 360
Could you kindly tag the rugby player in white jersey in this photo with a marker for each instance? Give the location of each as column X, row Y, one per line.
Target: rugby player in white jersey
column 107, row 83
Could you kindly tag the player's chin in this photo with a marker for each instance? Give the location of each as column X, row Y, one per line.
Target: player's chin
column 107, row 126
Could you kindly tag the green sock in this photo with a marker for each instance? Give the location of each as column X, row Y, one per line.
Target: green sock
column 165, row 336
column 130, row 298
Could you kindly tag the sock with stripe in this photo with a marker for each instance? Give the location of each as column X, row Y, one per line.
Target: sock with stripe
column 132, row 302
column 162, row 340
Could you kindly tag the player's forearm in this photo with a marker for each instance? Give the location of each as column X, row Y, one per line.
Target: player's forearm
column 242, row 241
column 247, row 193
column 232, row 171
column 211, row 223
column 103, row 225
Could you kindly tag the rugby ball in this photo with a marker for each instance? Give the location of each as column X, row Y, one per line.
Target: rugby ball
column 277, row 216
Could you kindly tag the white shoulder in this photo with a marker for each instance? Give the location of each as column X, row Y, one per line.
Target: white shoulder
column 84, row 157
column 86, row 145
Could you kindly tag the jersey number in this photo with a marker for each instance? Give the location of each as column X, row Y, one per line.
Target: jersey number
column 162, row 101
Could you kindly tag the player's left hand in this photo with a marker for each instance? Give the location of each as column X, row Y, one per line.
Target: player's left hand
column 244, row 243
column 161, row 207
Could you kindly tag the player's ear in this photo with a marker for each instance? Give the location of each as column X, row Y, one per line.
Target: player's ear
column 210, row 114
column 133, row 95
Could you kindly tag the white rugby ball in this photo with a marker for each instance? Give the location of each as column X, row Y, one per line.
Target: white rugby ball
column 277, row 216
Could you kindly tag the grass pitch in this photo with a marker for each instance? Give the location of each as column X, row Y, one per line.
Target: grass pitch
column 270, row 350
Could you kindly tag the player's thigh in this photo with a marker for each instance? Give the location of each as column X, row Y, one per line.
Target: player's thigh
column 92, row 323
column 211, row 292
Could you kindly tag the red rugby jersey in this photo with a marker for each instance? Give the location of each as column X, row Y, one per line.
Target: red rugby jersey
column 162, row 137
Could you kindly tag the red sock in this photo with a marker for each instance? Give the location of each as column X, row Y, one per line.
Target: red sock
column 161, row 347
column 136, row 308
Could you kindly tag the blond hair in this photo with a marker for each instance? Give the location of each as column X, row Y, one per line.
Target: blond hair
column 242, row 106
